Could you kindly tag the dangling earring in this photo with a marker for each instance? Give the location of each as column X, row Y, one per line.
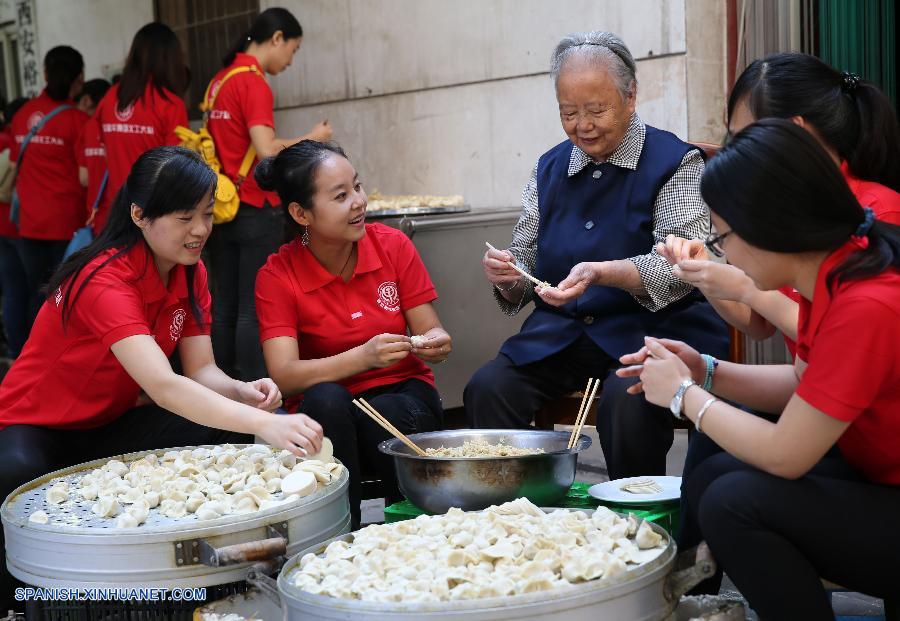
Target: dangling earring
column 304, row 239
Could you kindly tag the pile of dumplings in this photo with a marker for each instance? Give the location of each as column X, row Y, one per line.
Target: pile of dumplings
column 505, row 550
column 201, row 483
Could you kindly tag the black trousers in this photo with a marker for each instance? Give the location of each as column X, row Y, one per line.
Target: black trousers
column 40, row 258
column 777, row 537
column 29, row 451
column 412, row 406
column 635, row 435
column 238, row 249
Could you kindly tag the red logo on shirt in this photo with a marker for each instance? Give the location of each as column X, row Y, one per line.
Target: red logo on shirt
column 389, row 297
column 177, row 324
column 124, row 115
column 34, row 119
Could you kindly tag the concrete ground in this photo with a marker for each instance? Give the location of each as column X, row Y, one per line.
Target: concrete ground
column 592, row 469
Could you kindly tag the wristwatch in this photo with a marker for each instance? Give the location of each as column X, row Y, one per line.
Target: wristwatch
column 675, row 405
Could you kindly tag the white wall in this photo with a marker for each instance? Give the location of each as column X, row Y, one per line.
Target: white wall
column 100, row 29
column 455, row 98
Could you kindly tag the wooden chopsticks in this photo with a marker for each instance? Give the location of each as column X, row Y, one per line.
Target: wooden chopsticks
column 539, row 283
column 586, row 401
column 363, row 405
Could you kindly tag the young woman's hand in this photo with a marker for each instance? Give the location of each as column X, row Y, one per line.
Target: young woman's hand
column 580, row 277
column 261, row 393
column 662, row 373
column 385, row 349
column 435, row 346
column 687, row 355
column 677, row 249
column 297, row 433
column 716, row 280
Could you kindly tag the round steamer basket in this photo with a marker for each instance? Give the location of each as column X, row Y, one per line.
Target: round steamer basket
column 163, row 552
column 648, row 592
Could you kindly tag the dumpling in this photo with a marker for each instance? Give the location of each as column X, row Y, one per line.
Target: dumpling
column 58, row 494
column 210, row 510
column 647, row 537
column 194, row 501
column 301, row 483
column 140, row 511
column 126, row 520
column 117, row 467
column 106, row 507
column 326, row 453
column 38, row 517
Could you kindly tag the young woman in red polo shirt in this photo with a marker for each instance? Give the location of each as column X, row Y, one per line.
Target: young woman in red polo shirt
column 242, row 118
column 92, row 166
column 776, row 514
column 51, row 197
column 336, row 308
column 115, row 313
column 13, row 284
column 143, row 109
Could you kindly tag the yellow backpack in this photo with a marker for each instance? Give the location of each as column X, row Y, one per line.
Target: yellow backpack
column 201, row 141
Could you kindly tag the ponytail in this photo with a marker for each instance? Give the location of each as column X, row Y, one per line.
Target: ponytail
column 876, row 153
column 264, row 28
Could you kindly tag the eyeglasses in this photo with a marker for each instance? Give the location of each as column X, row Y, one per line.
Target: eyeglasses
column 716, row 243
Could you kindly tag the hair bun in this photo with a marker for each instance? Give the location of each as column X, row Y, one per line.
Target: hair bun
column 265, row 174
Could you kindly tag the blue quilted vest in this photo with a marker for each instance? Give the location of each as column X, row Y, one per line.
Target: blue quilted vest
column 601, row 218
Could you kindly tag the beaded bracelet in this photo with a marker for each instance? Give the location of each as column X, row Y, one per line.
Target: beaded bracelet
column 711, row 365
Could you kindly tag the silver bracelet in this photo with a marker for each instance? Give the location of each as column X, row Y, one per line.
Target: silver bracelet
column 507, row 290
column 702, row 411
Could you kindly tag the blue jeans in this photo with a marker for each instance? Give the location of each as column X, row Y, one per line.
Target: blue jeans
column 14, row 288
column 238, row 249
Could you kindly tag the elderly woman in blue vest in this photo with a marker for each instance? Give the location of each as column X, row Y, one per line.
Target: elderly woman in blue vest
column 595, row 206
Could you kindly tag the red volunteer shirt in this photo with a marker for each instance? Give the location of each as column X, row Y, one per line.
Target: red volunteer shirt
column 92, row 155
column 849, row 339
column 244, row 101
column 148, row 122
column 884, row 201
column 51, row 199
column 7, row 227
column 69, row 378
column 297, row 297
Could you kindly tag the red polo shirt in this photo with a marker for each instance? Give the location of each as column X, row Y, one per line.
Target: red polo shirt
column 92, row 155
column 51, row 198
column 68, row 378
column 148, row 122
column 244, row 101
column 849, row 339
column 297, row 297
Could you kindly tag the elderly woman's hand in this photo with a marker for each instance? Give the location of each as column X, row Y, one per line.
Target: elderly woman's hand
column 497, row 269
column 573, row 286
column 677, row 249
column 687, row 355
column 716, row 280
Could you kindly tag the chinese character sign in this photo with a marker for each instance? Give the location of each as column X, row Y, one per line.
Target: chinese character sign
column 28, row 52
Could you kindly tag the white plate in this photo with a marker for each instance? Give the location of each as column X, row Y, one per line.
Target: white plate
column 611, row 491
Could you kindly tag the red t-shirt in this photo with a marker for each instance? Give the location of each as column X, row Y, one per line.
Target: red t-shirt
column 68, row 378
column 148, row 122
column 849, row 339
column 92, row 155
column 51, row 199
column 884, row 201
column 245, row 100
column 297, row 297
column 7, row 226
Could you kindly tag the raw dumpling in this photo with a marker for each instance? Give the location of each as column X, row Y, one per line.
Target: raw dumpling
column 39, row 517
column 140, row 511
column 126, row 520
column 646, row 537
column 106, row 507
column 301, row 483
column 58, row 494
column 326, row 453
column 210, row 510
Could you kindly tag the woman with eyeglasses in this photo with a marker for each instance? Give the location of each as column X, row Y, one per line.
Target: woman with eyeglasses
column 777, row 509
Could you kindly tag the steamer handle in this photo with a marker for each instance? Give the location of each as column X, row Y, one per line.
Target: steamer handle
column 691, row 568
column 244, row 552
column 266, row 585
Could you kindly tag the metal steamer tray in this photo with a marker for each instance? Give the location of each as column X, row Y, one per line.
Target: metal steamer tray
column 648, row 592
column 80, row 549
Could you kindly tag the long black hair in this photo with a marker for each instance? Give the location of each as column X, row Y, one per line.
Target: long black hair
column 155, row 58
column 292, row 173
column 779, row 190
column 264, row 26
column 851, row 115
column 164, row 180
column 63, row 65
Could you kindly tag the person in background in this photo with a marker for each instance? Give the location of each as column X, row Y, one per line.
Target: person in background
column 243, row 118
column 779, row 509
column 51, row 197
column 336, row 308
column 13, row 283
column 114, row 315
column 92, row 167
column 143, row 109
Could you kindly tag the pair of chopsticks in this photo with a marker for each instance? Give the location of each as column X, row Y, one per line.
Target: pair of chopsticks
column 586, row 401
column 363, row 405
column 539, row 283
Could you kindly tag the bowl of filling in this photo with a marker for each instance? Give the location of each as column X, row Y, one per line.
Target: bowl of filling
column 472, row 469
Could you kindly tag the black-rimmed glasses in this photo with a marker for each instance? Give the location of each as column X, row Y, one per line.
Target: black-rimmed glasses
column 716, row 243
